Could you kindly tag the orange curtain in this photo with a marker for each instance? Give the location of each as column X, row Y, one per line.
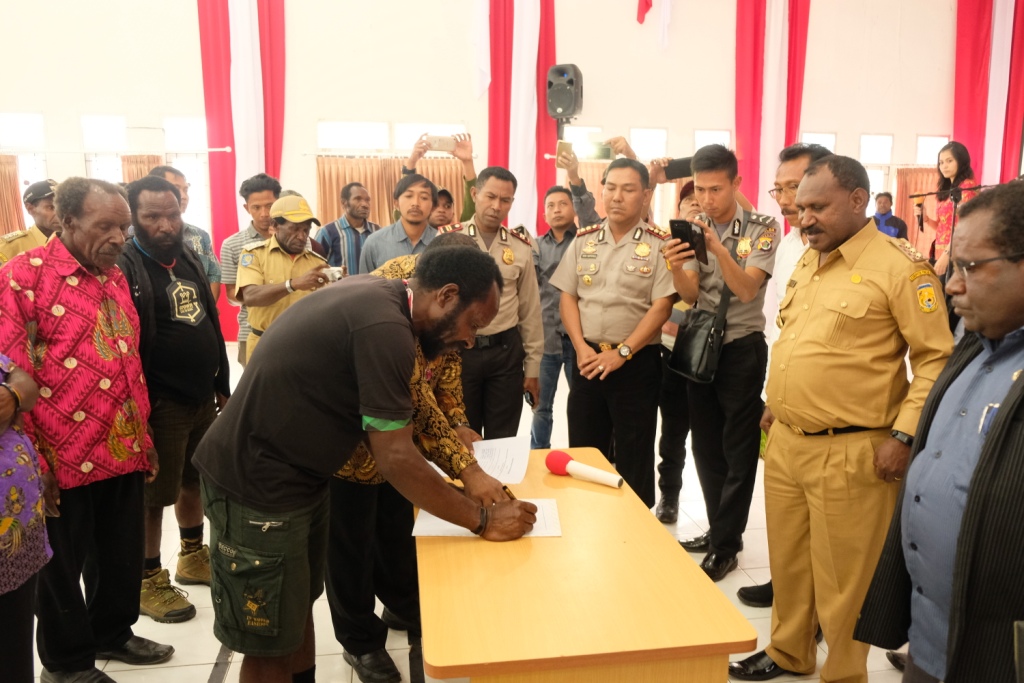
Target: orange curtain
column 915, row 180
column 135, row 166
column 379, row 175
column 11, row 216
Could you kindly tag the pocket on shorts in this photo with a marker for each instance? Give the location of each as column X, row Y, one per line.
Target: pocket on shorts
column 247, row 588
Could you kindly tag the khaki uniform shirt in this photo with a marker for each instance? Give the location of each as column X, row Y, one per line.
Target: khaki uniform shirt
column 755, row 247
column 20, row 241
column 267, row 264
column 520, row 298
column 614, row 282
column 845, row 330
column 437, row 402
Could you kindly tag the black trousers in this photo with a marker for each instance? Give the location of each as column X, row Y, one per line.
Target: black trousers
column 623, row 407
column 371, row 552
column 18, row 607
column 98, row 540
column 675, row 427
column 492, row 386
column 724, row 419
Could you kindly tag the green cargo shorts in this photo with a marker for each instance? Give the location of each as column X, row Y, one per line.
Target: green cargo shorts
column 266, row 570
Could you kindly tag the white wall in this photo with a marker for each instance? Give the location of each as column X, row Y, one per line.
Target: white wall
column 873, row 66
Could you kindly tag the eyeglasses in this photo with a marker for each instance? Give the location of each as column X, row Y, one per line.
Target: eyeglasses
column 777, row 192
column 965, row 268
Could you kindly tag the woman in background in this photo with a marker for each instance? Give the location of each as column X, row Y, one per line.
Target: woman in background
column 23, row 546
column 955, row 173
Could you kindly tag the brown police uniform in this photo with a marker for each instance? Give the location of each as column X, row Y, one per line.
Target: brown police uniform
column 267, row 264
column 837, row 386
column 20, row 241
column 615, row 284
column 510, row 348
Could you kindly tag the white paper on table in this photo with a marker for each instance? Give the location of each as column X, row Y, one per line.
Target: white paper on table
column 548, row 524
column 504, row 459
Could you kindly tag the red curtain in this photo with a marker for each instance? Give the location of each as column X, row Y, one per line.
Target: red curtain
column 272, row 58
column 499, row 95
column 547, row 129
column 970, row 88
column 215, row 48
column 799, row 17
column 1014, row 127
column 750, row 23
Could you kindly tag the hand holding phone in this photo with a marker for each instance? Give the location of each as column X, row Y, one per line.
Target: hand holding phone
column 692, row 234
column 441, row 143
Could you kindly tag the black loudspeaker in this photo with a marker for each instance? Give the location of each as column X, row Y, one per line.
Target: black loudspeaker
column 565, row 91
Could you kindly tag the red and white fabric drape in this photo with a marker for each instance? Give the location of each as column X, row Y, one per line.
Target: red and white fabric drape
column 243, row 55
column 771, row 50
column 989, row 87
column 520, row 132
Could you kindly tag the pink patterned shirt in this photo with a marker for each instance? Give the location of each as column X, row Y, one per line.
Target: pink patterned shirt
column 944, row 214
column 77, row 335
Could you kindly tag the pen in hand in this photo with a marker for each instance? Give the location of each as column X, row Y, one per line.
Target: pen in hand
column 508, row 492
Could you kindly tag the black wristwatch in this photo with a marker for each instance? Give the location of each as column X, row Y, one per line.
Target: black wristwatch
column 407, row 171
column 904, row 438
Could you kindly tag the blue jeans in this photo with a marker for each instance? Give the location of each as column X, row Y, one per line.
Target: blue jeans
column 550, row 364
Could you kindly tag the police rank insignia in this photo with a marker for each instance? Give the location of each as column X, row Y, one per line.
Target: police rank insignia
column 643, row 250
column 507, row 256
column 245, row 261
column 926, row 297
column 744, row 248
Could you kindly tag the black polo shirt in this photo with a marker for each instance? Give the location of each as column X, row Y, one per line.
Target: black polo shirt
column 335, row 360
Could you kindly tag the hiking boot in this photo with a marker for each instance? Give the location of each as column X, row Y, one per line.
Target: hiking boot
column 163, row 602
column 194, row 568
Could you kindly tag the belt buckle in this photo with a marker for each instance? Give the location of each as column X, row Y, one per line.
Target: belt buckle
column 605, row 346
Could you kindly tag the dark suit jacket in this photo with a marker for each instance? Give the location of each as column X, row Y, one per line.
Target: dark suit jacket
column 988, row 575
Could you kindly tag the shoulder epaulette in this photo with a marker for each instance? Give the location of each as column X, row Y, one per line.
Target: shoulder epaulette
column 11, row 236
column 660, row 233
column 761, row 218
column 589, row 229
column 908, row 250
column 450, row 228
column 253, row 246
column 520, row 232
column 317, row 255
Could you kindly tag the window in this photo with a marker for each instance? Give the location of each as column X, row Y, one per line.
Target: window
column 876, row 149
column 104, row 134
column 703, row 138
column 353, row 135
column 31, row 169
column 104, row 167
column 185, row 134
column 22, row 131
column 928, row 147
column 826, row 140
column 649, row 143
column 406, row 134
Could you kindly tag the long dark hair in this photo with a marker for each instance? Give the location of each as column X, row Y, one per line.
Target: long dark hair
column 963, row 169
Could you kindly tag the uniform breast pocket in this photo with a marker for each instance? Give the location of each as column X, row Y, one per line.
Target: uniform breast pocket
column 587, row 271
column 847, row 312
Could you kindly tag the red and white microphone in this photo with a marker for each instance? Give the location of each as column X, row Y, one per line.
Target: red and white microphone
column 561, row 463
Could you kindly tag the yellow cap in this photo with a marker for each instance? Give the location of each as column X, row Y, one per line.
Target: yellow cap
column 293, row 208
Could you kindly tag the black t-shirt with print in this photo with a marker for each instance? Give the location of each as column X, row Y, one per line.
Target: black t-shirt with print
column 335, row 356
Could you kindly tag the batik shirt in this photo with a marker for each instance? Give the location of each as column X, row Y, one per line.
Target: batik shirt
column 23, row 546
column 77, row 335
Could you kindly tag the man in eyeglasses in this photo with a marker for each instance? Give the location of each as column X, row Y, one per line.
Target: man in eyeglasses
column 949, row 576
column 841, row 418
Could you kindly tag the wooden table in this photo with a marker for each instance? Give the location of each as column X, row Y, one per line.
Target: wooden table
column 614, row 599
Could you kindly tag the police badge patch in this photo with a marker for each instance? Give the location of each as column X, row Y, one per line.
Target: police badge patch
column 245, row 261
column 926, row 297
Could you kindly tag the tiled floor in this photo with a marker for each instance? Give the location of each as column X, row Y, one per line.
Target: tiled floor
column 196, row 650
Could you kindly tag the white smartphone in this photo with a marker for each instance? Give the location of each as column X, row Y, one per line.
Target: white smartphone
column 441, row 143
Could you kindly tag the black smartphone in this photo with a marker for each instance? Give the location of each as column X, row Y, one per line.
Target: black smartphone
column 688, row 232
column 528, row 397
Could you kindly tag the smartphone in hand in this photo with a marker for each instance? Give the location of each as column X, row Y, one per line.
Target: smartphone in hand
column 441, row 143
column 694, row 235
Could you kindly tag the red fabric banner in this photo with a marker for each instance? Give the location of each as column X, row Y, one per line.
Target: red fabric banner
column 643, row 7
column 499, row 95
column 799, row 17
column 750, row 23
column 272, row 57
column 1013, row 131
column 970, row 86
column 215, row 49
column 547, row 129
